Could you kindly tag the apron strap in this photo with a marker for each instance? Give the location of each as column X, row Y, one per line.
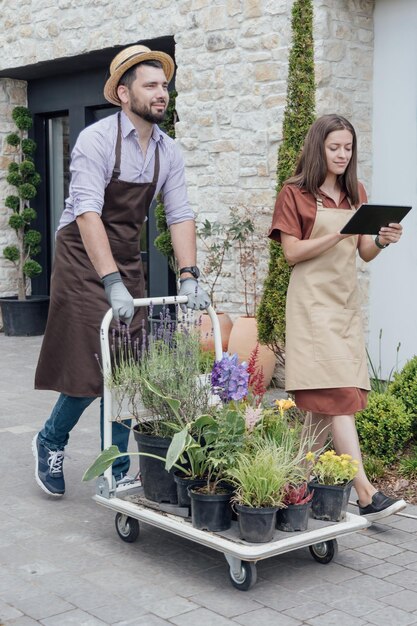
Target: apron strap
column 156, row 168
column 319, row 202
column 116, row 169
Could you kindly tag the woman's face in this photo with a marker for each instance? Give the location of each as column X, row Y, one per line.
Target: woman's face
column 338, row 150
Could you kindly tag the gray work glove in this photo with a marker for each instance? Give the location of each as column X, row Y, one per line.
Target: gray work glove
column 118, row 297
column 197, row 298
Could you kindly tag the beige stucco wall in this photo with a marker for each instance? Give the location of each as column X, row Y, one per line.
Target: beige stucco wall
column 232, row 58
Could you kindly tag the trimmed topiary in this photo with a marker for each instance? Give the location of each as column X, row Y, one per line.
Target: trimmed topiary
column 404, row 386
column 384, row 427
column 298, row 116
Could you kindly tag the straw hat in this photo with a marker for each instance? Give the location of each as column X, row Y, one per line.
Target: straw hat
column 128, row 57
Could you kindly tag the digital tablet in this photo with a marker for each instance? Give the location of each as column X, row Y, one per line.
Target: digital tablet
column 369, row 218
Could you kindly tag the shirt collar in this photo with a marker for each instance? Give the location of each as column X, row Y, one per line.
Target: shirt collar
column 127, row 128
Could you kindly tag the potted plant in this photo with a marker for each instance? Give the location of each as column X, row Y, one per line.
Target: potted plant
column 259, row 476
column 332, row 481
column 296, row 510
column 157, row 380
column 23, row 315
column 215, row 238
column 248, row 245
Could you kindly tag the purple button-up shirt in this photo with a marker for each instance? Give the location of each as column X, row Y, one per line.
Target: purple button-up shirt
column 92, row 163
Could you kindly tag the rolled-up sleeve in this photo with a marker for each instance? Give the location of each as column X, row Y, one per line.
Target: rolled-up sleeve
column 286, row 217
column 88, row 168
column 174, row 191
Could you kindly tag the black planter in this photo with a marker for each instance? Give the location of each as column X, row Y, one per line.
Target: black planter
column 294, row 517
column 183, row 483
column 211, row 511
column 330, row 501
column 158, row 484
column 256, row 525
column 24, row 318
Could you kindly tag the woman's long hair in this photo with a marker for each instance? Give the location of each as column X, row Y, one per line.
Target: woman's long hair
column 311, row 170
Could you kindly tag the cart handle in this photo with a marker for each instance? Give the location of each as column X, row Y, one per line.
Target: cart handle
column 140, row 302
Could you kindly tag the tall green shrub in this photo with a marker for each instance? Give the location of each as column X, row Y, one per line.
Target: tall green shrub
column 298, row 117
column 404, row 387
column 24, row 178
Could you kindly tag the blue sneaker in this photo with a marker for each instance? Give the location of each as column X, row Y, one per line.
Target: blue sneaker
column 48, row 468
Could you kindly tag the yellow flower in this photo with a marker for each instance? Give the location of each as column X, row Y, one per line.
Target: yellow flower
column 310, row 456
column 284, row 405
column 346, row 457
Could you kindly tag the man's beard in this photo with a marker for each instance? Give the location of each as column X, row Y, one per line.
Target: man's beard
column 146, row 113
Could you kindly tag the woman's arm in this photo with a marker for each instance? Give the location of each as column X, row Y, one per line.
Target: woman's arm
column 368, row 249
column 297, row 250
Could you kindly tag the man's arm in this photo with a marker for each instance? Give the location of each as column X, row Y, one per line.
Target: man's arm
column 183, row 238
column 96, row 243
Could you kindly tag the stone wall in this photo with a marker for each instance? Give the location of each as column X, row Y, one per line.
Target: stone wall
column 232, row 58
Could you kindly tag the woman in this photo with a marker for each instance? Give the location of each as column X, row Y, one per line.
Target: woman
column 326, row 365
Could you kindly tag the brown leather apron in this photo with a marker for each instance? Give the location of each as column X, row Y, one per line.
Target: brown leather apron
column 325, row 345
column 68, row 359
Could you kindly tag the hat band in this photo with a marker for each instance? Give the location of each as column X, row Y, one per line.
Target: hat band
column 128, row 59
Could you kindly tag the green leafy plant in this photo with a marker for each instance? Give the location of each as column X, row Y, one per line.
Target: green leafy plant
column 408, row 465
column 298, row 117
column 260, row 475
column 374, row 467
column 333, row 469
column 404, row 387
column 23, row 176
column 215, row 238
column 378, row 383
column 384, row 427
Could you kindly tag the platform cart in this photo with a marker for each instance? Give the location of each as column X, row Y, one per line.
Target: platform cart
column 131, row 507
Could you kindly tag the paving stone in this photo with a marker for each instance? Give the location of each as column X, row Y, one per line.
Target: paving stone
column 327, row 592
column 406, row 600
column 43, row 605
column 406, row 524
column 407, row 578
column 170, row 607
column 202, row 617
column 356, row 560
column 23, row 621
column 228, row 602
column 275, row 596
column 370, row 587
column 118, row 611
column 390, row 615
column 145, row 620
column 384, row 570
column 266, row 617
column 8, row 612
column 396, row 536
column 336, row 617
column 307, row 610
column 73, row 618
column 381, row 550
column 356, row 540
column 357, row 605
column 410, row 545
column 404, row 558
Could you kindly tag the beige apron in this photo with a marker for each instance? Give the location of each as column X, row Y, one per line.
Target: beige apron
column 325, row 345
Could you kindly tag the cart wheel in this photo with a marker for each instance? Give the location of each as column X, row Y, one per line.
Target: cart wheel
column 246, row 578
column 325, row 551
column 127, row 527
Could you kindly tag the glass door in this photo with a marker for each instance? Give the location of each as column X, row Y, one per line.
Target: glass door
column 58, row 157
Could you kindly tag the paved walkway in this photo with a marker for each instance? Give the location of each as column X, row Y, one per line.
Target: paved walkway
column 62, row 563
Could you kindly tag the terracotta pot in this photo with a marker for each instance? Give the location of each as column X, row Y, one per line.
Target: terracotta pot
column 206, row 330
column 243, row 339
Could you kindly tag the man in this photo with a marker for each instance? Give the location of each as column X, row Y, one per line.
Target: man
column 118, row 165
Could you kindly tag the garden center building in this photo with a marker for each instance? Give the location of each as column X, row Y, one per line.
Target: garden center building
column 231, row 78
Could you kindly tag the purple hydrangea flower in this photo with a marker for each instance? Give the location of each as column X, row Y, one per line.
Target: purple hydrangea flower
column 229, row 379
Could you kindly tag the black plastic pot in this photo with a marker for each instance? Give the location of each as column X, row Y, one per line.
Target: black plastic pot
column 211, row 511
column 294, row 517
column 24, row 318
column 256, row 525
column 183, row 483
column 330, row 501
column 158, row 484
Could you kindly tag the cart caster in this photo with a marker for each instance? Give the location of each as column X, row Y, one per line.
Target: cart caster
column 127, row 527
column 324, row 551
column 245, row 577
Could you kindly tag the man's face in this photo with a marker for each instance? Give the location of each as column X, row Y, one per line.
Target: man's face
column 148, row 95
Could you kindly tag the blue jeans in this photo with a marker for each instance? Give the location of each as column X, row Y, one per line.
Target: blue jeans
column 65, row 415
